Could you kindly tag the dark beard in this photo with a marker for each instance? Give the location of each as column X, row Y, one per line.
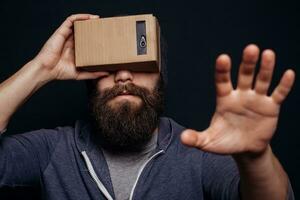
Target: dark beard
column 126, row 127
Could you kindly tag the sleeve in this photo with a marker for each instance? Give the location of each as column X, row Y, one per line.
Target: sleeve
column 23, row 157
column 222, row 180
column 220, row 177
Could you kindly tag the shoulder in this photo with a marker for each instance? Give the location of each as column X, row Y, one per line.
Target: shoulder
column 194, row 154
column 171, row 125
column 44, row 137
column 173, row 129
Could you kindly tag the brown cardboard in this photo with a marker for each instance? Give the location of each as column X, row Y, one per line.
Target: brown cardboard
column 107, row 44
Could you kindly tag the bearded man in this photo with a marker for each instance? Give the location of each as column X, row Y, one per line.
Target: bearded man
column 127, row 150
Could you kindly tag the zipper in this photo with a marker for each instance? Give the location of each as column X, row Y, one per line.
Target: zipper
column 141, row 170
column 93, row 174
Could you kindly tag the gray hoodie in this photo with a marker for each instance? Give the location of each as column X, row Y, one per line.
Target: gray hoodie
column 66, row 164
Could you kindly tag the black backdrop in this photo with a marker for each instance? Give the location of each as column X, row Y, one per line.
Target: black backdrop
column 196, row 32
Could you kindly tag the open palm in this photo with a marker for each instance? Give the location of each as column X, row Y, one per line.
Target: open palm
column 246, row 117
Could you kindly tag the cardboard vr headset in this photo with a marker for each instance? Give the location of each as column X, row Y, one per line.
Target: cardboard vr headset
column 116, row 43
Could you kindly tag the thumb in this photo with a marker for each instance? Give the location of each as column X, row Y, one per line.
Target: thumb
column 91, row 75
column 194, row 138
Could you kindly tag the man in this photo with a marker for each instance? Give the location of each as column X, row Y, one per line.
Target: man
column 128, row 151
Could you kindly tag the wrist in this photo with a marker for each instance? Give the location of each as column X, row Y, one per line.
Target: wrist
column 261, row 171
column 42, row 74
column 245, row 159
column 262, row 166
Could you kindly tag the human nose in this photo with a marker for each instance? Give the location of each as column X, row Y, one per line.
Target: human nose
column 123, row 76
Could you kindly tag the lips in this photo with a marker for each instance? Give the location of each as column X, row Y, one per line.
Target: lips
column 125, row 92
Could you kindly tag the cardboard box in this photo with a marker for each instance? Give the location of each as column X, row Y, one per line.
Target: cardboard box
column 114, row 43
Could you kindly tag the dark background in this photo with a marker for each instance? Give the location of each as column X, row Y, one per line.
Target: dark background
column 196, row 32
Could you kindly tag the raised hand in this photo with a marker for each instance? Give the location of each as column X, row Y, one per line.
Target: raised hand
column 55, row 61
column 246, row 117
column 57, row 55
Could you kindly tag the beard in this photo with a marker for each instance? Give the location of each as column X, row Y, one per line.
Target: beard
column 126, row 126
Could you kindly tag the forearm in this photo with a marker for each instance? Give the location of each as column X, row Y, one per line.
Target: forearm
column 262, row 177
column 18, row 88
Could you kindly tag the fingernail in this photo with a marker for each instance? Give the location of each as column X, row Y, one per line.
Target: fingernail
column 94, row 16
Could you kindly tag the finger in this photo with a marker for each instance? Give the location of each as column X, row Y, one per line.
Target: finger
column 66, row 28
column 222, row 75
column 57, row 41
column 247, row 67
column 70, row 42
column 91, row 75
column 284, row 87
column 264, row 76
column 194, row 138
column 69, row 45
column 68, row 50
column 69, row 54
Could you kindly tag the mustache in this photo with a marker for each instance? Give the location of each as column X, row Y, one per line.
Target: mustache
column 129, row 89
